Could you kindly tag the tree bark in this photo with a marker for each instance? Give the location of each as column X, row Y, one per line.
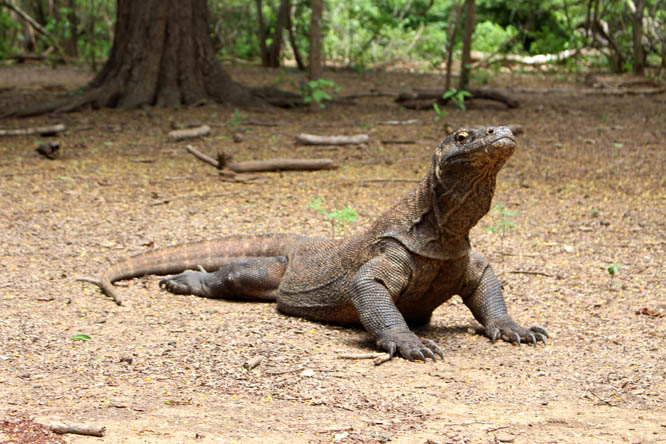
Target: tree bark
column 454, row 23
column 315, row 69
column 263, row 51
column 470, row 6
column 292, row 40
column 637, row 33
column 162, row 55
column 71, row 49
column 280, row 25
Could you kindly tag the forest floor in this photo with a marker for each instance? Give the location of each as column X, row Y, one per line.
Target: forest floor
column 585, row 191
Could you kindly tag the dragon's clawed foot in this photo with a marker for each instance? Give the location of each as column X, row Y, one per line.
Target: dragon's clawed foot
column 510, row 331
column 188, row 282
column 409, row 345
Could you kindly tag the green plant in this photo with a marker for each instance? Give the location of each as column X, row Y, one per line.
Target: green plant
column 317, row 91
column 503, row 223
column 457, row 96
column 81, row 337
column 339, row 219
column 236, row 118
column 439, row 113
column 613, row 270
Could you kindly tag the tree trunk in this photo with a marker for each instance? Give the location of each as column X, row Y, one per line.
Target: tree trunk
column 470, row 6
column 315, row 40
column 71, row 49
column 280, row 25
column 263, row 51
column 454, row 23
column 292, row 40
column 162, row 55
column 637, row 31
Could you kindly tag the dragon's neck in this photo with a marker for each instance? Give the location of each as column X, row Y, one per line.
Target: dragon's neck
column 458, row 205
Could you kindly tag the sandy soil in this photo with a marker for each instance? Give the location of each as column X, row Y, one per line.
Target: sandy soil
column 587, row 190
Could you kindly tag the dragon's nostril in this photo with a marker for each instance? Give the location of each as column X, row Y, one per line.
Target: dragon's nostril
column 490, row 130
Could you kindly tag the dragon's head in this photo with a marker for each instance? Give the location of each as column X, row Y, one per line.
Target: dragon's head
column 472, row 151
column 463, row 171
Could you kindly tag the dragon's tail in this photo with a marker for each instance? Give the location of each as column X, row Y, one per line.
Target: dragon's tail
column 209, row 255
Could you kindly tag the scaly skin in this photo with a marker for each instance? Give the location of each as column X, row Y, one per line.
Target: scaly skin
column 412, row 259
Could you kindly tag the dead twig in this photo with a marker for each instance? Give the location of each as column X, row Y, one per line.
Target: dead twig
column 312, row 139
column 361, row 356
column 451, row 424
column 201, row 156
column 62, row 428
column 400, row 122
column 255, row 166
column 538, row 273
column 189, row 133
column 252, row 363
column 47, row 130
column 382, row 358
column 592, row 92
column 187, row 196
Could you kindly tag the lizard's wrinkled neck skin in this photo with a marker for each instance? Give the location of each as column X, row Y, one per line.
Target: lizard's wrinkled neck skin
column 462, row 178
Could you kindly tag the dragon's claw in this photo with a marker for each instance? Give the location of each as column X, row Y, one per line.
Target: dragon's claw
column 409, row 346
column 510, row 331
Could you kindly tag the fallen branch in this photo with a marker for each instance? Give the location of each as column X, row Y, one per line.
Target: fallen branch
column 201, row 156
column 281, row 165
column 252, row 363
column 24, row 15
column 187, row 196
column 189, row 133
column 77, row 429
column 47, row 130
column 590, row 92
column 384, row 357
column 425, row 98
column 536, row 273
column 400, row 122
column 361, row 356
column 224, row 163
column 311, row 139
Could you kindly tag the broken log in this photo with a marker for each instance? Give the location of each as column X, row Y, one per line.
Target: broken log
column 47, row 130
column 425, row 98
column 312, row 139
column 255, row 166
column 189, row 133
column 281, row 165
column 62, row 428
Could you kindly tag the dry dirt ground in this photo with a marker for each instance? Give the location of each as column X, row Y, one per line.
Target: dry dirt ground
column 585, row 190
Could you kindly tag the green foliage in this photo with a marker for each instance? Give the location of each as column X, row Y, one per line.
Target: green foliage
column 503, row 223
column 457, row 96
column 81, row 337
column 613, row 269
column 489, row 36
column 317, row 91
column 439, row 113
column 339, row 219
column 236, row 118
column 409, row 34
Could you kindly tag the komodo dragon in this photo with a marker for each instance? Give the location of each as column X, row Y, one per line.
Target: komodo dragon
column 412, row 259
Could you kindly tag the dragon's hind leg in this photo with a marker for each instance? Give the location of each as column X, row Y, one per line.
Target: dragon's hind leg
column 254, row 279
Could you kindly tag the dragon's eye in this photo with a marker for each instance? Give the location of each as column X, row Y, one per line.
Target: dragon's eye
column 461, row 136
